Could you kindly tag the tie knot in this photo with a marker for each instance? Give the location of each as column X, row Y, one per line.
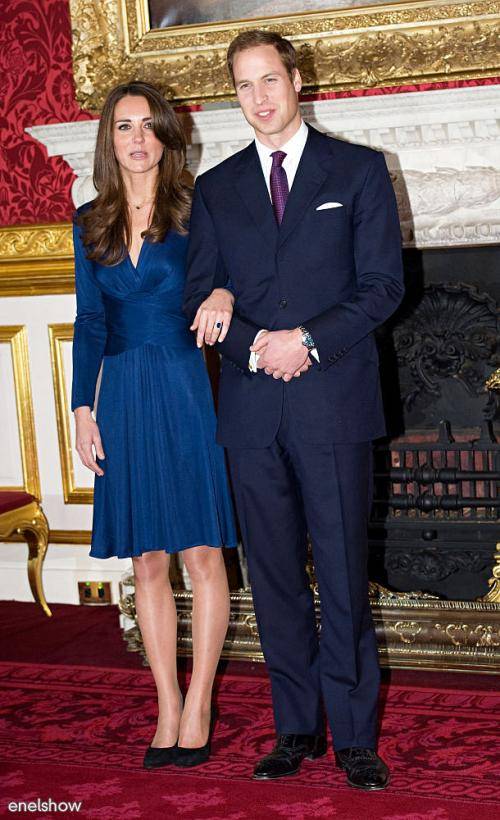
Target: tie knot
column 278, row 157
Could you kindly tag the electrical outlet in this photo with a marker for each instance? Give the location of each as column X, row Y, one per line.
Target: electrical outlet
column 94, row 592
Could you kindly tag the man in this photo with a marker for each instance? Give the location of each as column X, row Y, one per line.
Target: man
column 305, row 228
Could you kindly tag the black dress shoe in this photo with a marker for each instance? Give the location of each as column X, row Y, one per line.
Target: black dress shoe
column 288, row 754
column 200, row 754
column 157, row 756
column 364, row 768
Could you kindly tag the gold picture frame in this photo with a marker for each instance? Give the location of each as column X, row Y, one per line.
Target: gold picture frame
column 17, row 337
column 368, row 46
column 58, row 335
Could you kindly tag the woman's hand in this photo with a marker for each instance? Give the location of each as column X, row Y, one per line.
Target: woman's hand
column 216, row 310
column 87, row 435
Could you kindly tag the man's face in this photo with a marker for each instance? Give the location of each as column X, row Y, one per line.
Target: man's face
column 268, row 97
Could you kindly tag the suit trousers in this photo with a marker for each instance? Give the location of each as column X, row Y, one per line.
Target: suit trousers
column 282, row 492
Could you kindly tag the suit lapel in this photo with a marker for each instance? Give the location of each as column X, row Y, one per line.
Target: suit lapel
column 252, row 189
column 310, row 176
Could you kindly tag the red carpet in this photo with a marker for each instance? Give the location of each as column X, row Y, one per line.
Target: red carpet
column 72, row 733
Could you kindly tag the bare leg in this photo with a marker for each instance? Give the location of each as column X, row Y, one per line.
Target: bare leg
column 157, row 618
column 210, row 621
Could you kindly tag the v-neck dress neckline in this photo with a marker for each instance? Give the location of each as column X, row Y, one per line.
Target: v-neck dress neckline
column 135, row 267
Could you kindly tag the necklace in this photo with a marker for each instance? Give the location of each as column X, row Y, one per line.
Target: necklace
column 147, row 202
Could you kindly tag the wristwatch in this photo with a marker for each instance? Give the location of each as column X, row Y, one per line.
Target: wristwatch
column 307, row 339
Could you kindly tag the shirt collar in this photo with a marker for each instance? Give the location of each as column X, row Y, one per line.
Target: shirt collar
column 295, row 144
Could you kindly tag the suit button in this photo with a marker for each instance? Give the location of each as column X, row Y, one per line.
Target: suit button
column 283, row 303
column 332, row 358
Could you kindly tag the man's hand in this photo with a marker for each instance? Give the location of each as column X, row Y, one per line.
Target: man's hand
column 287, row 377
column 282, row 354
column 305, row 367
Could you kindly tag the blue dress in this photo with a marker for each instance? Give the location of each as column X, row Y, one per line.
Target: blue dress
column 164, row 484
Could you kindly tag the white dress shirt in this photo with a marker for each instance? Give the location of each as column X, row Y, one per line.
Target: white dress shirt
column 293, row 150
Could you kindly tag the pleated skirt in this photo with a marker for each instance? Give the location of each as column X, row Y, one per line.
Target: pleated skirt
column 165, row 485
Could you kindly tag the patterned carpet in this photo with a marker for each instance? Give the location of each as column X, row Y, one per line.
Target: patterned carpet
column 78, row 733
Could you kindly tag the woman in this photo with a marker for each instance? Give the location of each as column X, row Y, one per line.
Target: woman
column 160, row 483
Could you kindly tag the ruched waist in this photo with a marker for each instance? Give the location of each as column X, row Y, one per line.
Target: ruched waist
column 131, row 324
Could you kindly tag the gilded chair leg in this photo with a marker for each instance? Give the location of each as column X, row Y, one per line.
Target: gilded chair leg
column 35, row 561
column 36, row 533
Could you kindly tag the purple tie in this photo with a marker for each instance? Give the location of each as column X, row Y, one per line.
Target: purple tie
column 279, row 185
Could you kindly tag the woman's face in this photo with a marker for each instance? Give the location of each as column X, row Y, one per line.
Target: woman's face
column 137, row 148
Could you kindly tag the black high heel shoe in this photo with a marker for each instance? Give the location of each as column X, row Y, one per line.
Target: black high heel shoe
column 200, row 754
column 157, row 756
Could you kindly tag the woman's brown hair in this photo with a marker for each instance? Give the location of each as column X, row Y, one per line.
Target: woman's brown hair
column 106, row 223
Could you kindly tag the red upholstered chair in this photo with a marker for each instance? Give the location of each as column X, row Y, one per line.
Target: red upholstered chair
column 21, row 513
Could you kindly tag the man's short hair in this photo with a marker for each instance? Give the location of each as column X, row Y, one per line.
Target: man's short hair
column 256, row 37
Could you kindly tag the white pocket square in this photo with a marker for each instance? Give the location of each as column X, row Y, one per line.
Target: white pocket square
column 326, row 205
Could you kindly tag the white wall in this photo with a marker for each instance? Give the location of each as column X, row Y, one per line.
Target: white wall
column 65, row 565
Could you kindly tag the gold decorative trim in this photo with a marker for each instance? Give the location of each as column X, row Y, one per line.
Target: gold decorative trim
column 412, row 633
column 17, row 336
column 36, row 259
column 395, row 44
column 493, row 381
column 414, row 629
column 37, row 242
column 58, row 334
column 493, row 594
column 30, row 525
column 74, row 537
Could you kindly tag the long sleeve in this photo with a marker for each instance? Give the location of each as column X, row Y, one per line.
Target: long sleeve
column 379, row 270
column 89, row 338
column 206, row 271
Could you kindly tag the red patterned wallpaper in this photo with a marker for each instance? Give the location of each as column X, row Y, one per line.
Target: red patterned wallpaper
column 36, row 88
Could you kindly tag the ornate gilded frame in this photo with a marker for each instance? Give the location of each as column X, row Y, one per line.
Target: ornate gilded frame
column 394, row 44
column 58, row 335
column 17, row 337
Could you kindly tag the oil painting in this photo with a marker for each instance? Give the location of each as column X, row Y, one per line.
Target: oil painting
column 167, row 13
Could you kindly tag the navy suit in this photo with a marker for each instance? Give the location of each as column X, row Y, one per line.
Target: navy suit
column 300, row 452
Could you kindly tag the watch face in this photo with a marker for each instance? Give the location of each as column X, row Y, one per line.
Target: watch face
column 307, row 339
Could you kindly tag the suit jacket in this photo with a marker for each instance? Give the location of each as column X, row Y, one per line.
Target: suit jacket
column 337, row 271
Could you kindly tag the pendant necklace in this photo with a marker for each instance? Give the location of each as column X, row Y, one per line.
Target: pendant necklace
column 148, row 202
